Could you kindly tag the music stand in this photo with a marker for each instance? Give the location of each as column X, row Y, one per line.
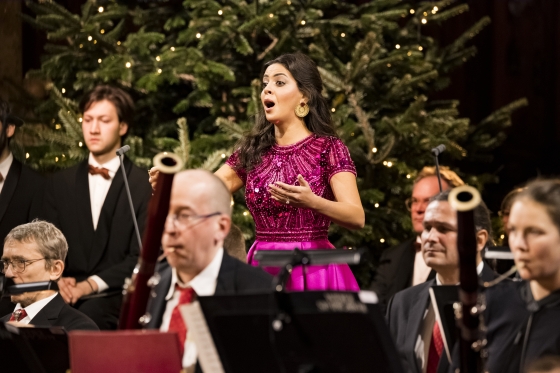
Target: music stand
column 316, row 331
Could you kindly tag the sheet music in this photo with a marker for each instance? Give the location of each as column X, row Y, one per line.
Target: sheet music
column 207, row 354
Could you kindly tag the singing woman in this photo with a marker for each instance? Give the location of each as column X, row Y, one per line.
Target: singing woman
column 298, row 175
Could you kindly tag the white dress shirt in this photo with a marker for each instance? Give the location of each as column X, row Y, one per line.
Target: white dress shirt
column 204, row 284
column 33, row 309
column 98, row 189
column 422, row 346
column 4, row 168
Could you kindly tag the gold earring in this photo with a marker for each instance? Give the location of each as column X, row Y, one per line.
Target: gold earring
column 302, row 111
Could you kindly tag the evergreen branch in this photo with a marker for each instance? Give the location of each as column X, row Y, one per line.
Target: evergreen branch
column 71, row 126
column 184, row 149
column 468, row 35
column 114, row 34
column 504, row 111
column 385, row 150
column 213, row 160
column 331, row 81
column 270, row 46
column 230, row 127
column 363, row 122
column 450, row 13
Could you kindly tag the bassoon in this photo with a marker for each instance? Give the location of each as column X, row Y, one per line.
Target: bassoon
column 137, row 291
column 464, row 200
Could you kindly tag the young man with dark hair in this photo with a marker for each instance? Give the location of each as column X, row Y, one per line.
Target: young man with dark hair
column 88, row 202
column 21, row 189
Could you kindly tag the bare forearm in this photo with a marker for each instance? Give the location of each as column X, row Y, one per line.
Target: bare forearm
column 345, row 214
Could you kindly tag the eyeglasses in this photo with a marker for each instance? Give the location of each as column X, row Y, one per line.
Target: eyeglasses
column 18, row 265
column 183, row 220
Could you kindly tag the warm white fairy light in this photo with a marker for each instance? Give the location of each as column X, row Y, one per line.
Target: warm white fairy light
column 80, row 119
column 56, row 159
column 95, row 42
column 289, row 2
column 80, row 144
column 223, row 155
column 333, row 110
column 424, row 21
column 100, row 9
column 159, row 71
column 388, row 65
column 90, row 38
column 412, row 11
column 172, row 49
column 158, row 58
column 26, row 155
column 245, row 213
column 398, row 46
column 302, row 22
column 58, row 126
column 128, row 64
column 389, row 164
column 384, row 163
column 198, row 35
column 420, row 48
column 376, row 205
column 99, row 60
column 342, row 35
column 271, row 15
column 409, row 54
column 425, row 14
column 63, row 90
column 81, row 45
column 408, row 176
column 102, row 31
column 220, row 12
column 374, row 150
column 382, row 240
column 118, row 43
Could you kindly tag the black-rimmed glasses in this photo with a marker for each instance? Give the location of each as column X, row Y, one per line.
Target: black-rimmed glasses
column 18, row 265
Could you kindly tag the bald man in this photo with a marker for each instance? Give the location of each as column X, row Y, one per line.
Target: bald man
column 198, row 221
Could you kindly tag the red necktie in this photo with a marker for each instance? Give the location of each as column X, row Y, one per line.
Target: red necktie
column 18, row 315
column 436, row 347
column 99, row 171
column 177, row 323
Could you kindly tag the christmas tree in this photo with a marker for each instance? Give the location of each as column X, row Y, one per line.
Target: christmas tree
column 199, row 62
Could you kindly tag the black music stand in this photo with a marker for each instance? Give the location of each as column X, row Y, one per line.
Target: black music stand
column 301, row 332
column 33, row 350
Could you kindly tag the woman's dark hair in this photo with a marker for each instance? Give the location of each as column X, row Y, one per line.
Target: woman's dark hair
column 122, row 101
column 318, row 121
column 546, row 193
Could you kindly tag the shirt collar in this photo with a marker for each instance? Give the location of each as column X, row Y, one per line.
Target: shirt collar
column 112, row 165
column 204, row 283
column 6, row 164
column 479, row 269
column 33, row 309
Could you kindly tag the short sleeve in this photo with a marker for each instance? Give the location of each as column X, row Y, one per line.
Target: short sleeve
column 339, row 159
column 233, row 162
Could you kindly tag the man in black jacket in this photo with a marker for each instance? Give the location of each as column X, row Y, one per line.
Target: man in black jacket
column 88, row 202
column 402, row 266
column 410, row 314
column 35, row 252
column 199, row 220
column 21, row 189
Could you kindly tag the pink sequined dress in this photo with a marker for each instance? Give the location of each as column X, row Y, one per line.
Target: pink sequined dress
column 283, row 227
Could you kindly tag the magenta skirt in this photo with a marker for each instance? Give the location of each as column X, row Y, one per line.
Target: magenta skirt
column 325, row 277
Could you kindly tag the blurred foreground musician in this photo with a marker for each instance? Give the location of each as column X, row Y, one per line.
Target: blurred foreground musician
column 198, row 222
column 36, row 252
column 410, row 314
column 523, row 318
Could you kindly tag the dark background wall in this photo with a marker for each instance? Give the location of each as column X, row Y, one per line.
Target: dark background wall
column 518, row 55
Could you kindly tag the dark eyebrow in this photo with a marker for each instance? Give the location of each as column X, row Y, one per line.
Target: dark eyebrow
column 266, row 76
column 439, row 224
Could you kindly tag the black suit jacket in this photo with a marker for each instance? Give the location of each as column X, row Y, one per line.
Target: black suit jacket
column 21, row 198
column 396, row 267
column 111, row 251
column 58, row 313
column 405, row 314
column 234, row 277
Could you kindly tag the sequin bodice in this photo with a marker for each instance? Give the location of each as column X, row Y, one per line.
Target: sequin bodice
column 317, row 159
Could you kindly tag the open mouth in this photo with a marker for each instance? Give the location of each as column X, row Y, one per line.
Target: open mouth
column 269, row 104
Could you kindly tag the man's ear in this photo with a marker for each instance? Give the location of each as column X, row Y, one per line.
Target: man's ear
column 10, row 130
column 224, row 225
column 123, row 128
column 56, row 270
column 481, row 239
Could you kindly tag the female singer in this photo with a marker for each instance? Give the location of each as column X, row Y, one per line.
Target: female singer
column 298, row 175
column 523, row 317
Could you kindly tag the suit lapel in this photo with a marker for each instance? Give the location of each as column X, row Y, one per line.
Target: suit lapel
column 9, row 187
column 487, row 274
column 418, row 309
column 83, row 206
column 158, row 304
column 106, row 216
column 49, row 313
column 226, row 276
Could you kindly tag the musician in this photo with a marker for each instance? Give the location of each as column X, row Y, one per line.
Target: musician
column 199, row 220
column 89, row 203
column 35, row 252
column 523, row 317
column 402, row 266
column 21, row 189
column 410, row 314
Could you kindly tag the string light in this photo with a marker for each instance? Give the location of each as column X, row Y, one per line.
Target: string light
column 159, row 71
column 220, row 12
column 223, row 155
column 389, row 164
column 408, row 176
column 80, row 144
column 95, row 42
column 58, row 126
column 102, row 31
column 198, row 35
column 424, row 21
column 376, row 205
column 374, row 150
column 118, row 43
column 388, row 65
column 412, row 11
column 382, row 240
column 26, row 155
column 245, row 213
column 342, row 35
column 128, row 64
column 90, row 38
column 435, row 9
column 63, row 90
column 425, row 14
column 56, row 159
column 81, row 45
column 99, row 60
column 502, row 236
column 398, row 46
column 80, row 119
column 420, row 48
column 333, row 110
column 409, row 54
column 172, row 49
column 384, row 163
column 302, row 22
column 100, row 9
column 289, row 2
column 158, row 58
column 271, row 15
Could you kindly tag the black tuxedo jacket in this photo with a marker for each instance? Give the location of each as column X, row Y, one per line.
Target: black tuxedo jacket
column 58, row 313
column 396, row 267
column 111, row 251
column 21, row 198
column 234, row 277
column 405, row 314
